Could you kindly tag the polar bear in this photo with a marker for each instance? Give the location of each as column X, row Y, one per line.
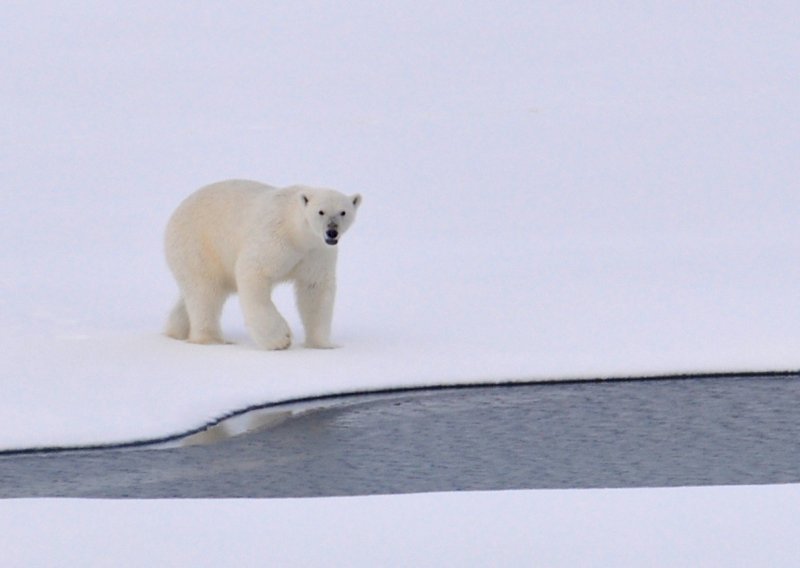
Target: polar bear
column 246, row 237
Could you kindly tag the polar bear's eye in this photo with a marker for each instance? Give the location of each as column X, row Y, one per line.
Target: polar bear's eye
column 322, row 212
column 344, row 213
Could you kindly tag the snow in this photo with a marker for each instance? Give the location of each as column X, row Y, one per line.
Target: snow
column 550, row 192
column 703, row 526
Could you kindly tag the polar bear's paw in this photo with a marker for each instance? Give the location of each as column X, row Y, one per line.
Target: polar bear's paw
column 178, row 322
column 174, row 333
column 207, row 340
column 279, row 343
column 310, row 344
column 276, row 338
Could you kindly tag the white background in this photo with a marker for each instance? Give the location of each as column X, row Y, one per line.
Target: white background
column 551, row 190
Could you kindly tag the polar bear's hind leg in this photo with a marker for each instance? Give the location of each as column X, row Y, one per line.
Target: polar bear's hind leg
column 204, row 307
column 178, row 321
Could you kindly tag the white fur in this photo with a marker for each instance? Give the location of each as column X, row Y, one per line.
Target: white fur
column 246, row 237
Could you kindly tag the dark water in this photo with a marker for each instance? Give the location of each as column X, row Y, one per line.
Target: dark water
column 614, row 434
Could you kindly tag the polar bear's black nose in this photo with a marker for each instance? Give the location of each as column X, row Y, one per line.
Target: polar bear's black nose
column 331, row 233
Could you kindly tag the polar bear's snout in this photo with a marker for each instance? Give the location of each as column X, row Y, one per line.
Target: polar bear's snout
column 332, row 234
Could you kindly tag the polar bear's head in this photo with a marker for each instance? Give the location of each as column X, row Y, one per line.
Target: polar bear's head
column 329, row 213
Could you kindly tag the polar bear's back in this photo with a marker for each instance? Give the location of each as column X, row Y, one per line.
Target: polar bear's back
column 208, row 228
column 224, row 198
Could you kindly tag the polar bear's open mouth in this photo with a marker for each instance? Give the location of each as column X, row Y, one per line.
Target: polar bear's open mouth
column 331, row 241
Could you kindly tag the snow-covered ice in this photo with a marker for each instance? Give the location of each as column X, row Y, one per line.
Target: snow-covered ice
column 702, row 526
column 550, row 191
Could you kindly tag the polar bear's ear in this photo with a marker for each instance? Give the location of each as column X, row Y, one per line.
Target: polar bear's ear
column 356, row 199
column 304, row 197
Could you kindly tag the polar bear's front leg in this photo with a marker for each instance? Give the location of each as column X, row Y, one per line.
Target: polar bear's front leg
column 266, row 325
column 315, row 303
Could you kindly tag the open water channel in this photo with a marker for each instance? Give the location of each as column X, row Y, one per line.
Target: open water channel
column 572, row 435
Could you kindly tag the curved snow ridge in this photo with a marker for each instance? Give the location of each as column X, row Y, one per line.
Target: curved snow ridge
column 271, row 413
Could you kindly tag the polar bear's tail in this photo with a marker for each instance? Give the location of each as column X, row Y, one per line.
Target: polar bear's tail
column 178, row 321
